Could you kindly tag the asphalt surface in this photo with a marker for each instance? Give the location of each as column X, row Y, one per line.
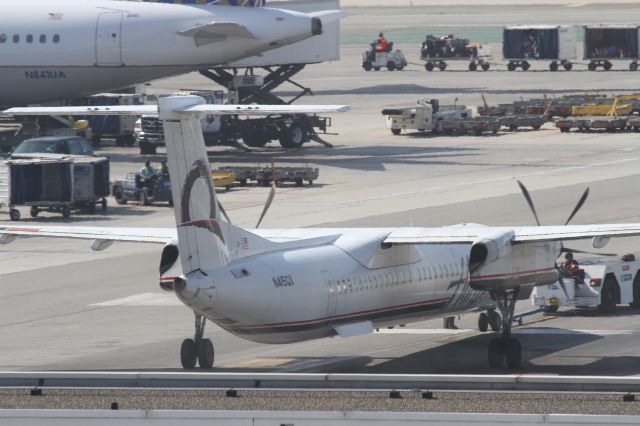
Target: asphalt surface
column 67, row 308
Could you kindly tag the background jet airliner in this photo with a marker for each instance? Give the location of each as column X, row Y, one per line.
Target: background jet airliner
column 51, row 50
column 289, row 285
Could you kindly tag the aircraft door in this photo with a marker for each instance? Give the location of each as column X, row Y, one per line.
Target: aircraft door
column 332, row 290
column 108, row 39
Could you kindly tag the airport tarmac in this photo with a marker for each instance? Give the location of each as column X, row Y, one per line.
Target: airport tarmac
column 67, row 308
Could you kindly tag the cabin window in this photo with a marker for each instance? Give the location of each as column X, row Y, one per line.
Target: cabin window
column 3, row 38
column 16, row 38
column 29, row 38
column 56, row 38
column 43, row 38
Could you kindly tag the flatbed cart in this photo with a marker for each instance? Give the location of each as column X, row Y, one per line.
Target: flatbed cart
column 55, row 183
column 610, row 124
column 266, row 175
column 477, row 125
column 516, row 121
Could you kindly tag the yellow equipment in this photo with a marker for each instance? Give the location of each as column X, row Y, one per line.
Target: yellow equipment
column 222, row 179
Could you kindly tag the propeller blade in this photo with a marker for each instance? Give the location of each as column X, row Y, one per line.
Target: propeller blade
column 585, row 194
column 224, row 212
column 570, row 250
column 561, row 281
column 272, row 194
column 525, row 192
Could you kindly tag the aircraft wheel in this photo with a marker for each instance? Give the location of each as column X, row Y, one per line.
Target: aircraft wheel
column 483, row 322
column 206, row 354
column 496, row 353
column 495, row 322
column 188, row 353
column 513, row 353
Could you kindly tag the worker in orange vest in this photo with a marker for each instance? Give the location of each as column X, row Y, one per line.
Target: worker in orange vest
column 382, row 43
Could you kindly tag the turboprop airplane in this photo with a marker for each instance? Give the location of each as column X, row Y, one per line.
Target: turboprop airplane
column 290, row 285
column 68, row 48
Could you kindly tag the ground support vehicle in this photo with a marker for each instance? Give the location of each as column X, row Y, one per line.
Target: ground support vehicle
column 599, row 283
column 266, row 175
column 604, row 43
column 608, row 123
column 391, row 59
column 437, row 51
column 523, row 44
column 133, row 188
column 475, row 125
column 633, row 123
column 427, row 114
column 516, row 121
column 118, row 127
column 55, row 183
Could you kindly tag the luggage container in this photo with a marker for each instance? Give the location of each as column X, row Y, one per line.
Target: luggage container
column 603, row 43
column 523, row 44
column 56, row 184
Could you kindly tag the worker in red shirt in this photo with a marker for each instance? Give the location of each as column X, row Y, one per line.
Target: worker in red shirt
column 570, row 266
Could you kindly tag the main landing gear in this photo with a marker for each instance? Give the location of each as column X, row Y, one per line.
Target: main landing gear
column 197, row 349
column 505, row 350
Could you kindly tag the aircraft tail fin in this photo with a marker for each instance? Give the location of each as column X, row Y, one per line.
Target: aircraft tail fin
column 202, row 230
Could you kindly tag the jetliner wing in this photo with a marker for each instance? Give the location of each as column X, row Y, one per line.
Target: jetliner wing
column 216, row 31
column 202, row 110
column 139, row 235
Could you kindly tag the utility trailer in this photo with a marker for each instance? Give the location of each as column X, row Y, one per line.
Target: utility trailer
column 516, row 121
column 598, row 122
column 599, row 283
column 266, row 175
column 55, row 183
column 523, row 44
column 437, row 51
column 604, row 43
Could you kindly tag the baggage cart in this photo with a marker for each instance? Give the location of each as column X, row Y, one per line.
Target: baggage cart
column 515, row 121
column 604, row 43
column 266, row 175
column 523, row 44
column 477, row 125
column 610, row 124
column 437, row 51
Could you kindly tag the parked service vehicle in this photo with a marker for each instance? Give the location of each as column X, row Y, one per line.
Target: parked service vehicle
column 599, row 283
column 524, row 44
column 156, row 189
column 389, row 59
column 118, row 127
column 427, row 114
column 604, row 43
column 69, row 145
column 437, row 51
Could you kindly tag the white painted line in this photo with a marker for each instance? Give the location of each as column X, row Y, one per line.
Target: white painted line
column 144, row 299
column 424, row 331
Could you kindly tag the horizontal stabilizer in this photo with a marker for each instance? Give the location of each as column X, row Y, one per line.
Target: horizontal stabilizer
column 217, row 31
column 197, row 110
column 137, row 235
column 329, row 15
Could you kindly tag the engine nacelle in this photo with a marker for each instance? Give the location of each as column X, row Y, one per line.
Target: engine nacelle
column 495, row 263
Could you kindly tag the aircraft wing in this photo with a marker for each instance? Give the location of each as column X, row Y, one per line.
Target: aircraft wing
column 140, row 235
column 201, row 110
column 574, row 232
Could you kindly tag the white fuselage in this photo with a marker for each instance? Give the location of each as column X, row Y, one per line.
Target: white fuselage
column 300, row 294
column 67, row 48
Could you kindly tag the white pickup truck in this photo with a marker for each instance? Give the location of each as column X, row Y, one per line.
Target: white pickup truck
column 605, row 284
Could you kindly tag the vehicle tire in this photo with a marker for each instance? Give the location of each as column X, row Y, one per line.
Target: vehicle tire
column 473, row 66
column 429, row 66
column 564, row 129
column 513, row 353
column 607, row 65
column 477, row 132
column 14, row 214
column 396, row 131
column 129, row 140
column 442, row 66
column 34, row 211
column 550, row 309
column 485, row 66
column 292, row 136
column 536, row 127
column 119, row 140
column 91, row 207
column 243, row 182
column 298, row 181
column 255, row 141
column 376, row 68
column 511, row 66
column 66, row 211
column 553, row 66
column 608, row 296
column 401, row 67
column 525, row 66
column 633, row 66
column 366, row 65
column 103, row 204
column 95, row 139
column 495, row 322
column 592, row 66
column 391, row 65
column 513, row 127
column 188, row 354
column 567, row 66
column 636, row 291
column 206, row 354
column 118, row 194
column 483, row 322
column 496, row 353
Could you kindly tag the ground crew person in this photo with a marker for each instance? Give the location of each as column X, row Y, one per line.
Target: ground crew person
column 382, row 44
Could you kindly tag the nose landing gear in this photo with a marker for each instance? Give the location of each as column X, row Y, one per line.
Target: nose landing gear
column 505, row 350
column 197, row 349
